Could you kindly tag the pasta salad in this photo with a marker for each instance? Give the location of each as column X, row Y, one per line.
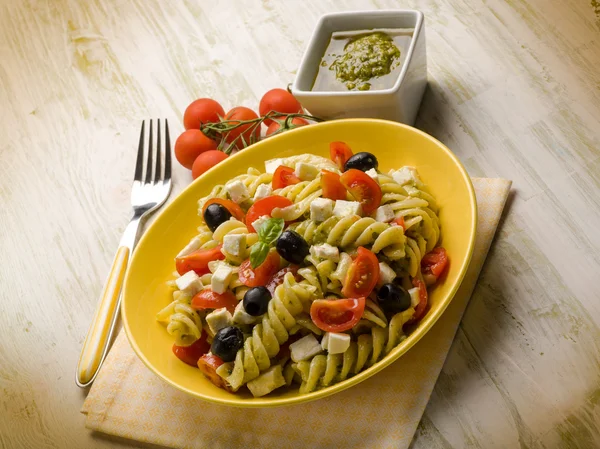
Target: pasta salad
column 305, row 274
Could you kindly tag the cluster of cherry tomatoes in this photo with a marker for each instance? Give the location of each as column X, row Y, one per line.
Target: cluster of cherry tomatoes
column 211, row 134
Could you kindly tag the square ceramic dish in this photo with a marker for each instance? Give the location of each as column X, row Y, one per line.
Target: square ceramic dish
column 399, row 103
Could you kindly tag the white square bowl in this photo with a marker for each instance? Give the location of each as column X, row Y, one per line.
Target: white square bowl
column 399, row 103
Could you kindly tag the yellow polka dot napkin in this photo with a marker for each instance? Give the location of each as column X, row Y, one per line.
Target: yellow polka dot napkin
column 128, row 400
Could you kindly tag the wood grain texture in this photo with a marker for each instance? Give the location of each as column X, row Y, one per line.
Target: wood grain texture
column 514, row 90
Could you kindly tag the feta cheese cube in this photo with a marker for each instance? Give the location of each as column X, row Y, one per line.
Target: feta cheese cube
column 384, row 213
column 218, row 319
column 237, row 191
column 240, row 315
column 321, row 209
column 325, row 251
column 256, row 224
column 194, row 244
column 221, row 278
column 386, row 274
column 373, row 174
column 271, row 166
column 414, row 296
column 406, row 175
column 335, row 343
column 306, row 172
column 262, row 191
column 346, row 208
column 268, row 381
column 189, row 283
column 234, row 244
column 305, row 348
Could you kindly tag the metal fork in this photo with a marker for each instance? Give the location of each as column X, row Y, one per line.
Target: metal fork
column 151, row 188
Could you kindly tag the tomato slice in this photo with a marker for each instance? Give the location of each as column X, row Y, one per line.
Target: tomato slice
column 207, row 299
column 435, row 262
column 192, row 353
column 198, row 260
column 277, row 278
column 337, row 315
column 283, row 177
column 400, row 222
column 420, row 308
column 260, row 275
column 362, row 275
column 339, row 153
column 208, row 364
column 265, row 206
column 331, row 185
column 235, row 210
column 363, row 188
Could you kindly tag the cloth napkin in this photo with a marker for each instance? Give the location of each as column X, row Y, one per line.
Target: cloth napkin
column 128, row 400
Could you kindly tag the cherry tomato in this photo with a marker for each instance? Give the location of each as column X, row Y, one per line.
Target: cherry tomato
column 283, row 177
column 206, row 161
column 265, row 206
column 337, row 315
column 279, row 100
column 420, row 308
column 400, row 222
column 331, row 185
column 339, row 153
column 203, row 110
column 232, row 207
column 208, row 364
column 363, row 188
column 248, row 131
column 260, row 275
column 277, row 278
column 198, row 260
column 362, row 274
column 293, row 123
column 190, row 144
column 207, row 299
column 192, row 353
column 435, row 262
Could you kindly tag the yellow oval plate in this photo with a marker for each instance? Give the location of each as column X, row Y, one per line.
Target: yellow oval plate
column 395, row 145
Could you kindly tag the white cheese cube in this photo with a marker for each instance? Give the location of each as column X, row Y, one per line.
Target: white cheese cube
column 221, row 278
column 373, row 174
column 325, row 251
column 189, row 283
column 406, row 175
column 237, row 191
column 271, row 166
column 386, row 274
column 414, row 296
column 240, row 315
column 263, row 191
column 234, row 244
column 346, row 208
column 321, row 209
column 256, row 224
column 194, row 244
column 305, row 348
column 335, row 343
column 306, row 172
column 384, row 213
column 268, row 381
column 218, row 319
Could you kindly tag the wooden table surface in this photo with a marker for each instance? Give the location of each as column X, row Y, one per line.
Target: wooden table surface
column 514, row 90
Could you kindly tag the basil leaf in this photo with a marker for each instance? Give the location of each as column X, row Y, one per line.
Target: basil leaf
column 270, row 230
column 258, row 254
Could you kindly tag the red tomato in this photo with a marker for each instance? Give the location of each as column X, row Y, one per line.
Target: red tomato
column 337, row 315
column 279, row 100
column 293, row 123
column 362, row 274
column 203, row 110
column 248, row 131
column 198, row 260
column 331, row 185
column 283, row 177
column 190, row 144
column 434, row 262
column 421, row 308
column 284, row 349
column 400, row 222
column 277, row 278
column 259, row 276
column 339, row 153
column 265, row 206
column 363, row 188
column 232, row 207
column 192, row 353
column 208, row 364
column 207, row 299
column 207, row 160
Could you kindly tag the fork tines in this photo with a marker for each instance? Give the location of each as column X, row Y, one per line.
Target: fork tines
column 153, row 154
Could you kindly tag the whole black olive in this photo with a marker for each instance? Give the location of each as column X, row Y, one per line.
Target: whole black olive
column 393, row 298
column 362, row 161
column 215, row 214
column 256, row 301
column 292, row 247
column 227, row 342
